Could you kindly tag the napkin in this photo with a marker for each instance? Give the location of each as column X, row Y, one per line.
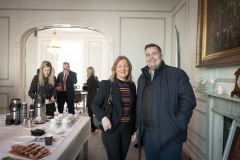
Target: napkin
column 37, row 132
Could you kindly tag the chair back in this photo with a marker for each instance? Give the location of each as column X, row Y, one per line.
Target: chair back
column 78, row 97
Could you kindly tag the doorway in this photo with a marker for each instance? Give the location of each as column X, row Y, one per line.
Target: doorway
column 32, row 62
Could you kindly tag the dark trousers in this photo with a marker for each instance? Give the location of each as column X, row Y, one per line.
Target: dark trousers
column 61, row 99
column 117, row 142
column 173, row 152
column 90, row 113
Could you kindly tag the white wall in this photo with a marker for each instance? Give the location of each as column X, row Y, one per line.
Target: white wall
column 130, row 25
column 184, row 15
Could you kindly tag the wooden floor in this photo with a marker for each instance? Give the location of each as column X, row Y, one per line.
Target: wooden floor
column 96, row 150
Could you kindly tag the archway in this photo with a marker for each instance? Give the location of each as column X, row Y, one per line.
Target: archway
column 27, row 30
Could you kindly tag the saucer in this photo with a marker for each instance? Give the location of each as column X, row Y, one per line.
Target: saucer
column 56, row 131
column 24, row 139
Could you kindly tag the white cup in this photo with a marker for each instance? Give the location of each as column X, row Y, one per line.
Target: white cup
column 53, row 125
column 70, row 115
column 53, row 121
column 64, row 120
column 60, row 115
column 75, row 116
column 57, row 119
column 56, row 113
column 65, row 125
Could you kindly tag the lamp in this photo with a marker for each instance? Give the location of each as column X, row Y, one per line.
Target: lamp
column 54, row 48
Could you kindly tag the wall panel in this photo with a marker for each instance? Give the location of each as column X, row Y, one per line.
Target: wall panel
column 94, row 56
column 4, row 97
column 135, row 33
column 198, row 123
column 4, row 48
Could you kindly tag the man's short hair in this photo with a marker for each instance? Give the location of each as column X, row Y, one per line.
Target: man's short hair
column 153, row 45
column 66, row 63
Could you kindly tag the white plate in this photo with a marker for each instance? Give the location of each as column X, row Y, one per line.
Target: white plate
column 56, row 131
column 24, row 139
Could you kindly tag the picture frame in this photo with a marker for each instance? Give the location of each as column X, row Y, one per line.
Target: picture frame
column 218, row 28
column 233, row 142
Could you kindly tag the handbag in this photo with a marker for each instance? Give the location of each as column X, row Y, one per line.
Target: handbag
column 107, row 108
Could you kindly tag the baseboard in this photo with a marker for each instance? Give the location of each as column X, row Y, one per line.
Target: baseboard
column 191, row 152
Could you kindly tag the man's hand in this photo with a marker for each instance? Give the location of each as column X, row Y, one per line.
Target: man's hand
column 66, row 71
column 134, row 137
column 59, row 88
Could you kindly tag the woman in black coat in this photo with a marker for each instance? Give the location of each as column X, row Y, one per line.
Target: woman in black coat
column 120, row 130
column 92, row 85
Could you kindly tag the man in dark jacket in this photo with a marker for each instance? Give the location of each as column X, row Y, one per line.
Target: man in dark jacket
column 66, row 92
column 165, row 102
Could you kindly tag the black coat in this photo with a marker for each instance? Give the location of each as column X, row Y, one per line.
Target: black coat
column 92, row 86
column 173, row 101
column 102, row 96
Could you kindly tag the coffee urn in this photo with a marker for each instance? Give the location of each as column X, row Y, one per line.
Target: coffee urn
column 40, row 109
column 14, row 109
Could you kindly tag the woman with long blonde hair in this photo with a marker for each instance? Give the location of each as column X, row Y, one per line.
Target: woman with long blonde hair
column 45, row 83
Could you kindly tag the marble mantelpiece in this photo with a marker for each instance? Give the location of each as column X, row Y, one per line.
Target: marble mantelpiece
column 219, row 106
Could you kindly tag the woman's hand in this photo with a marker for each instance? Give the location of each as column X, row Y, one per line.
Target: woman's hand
column 52, row 100
column 134, row 137
column 106, row 123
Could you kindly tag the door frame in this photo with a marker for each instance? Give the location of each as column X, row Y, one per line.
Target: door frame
column 20, row 48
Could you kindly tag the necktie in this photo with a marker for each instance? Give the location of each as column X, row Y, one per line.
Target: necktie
column 64, row 81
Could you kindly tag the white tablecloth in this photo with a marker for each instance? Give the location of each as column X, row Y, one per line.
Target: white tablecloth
column 66, row 145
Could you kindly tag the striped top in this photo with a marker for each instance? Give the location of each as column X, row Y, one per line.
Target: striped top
column 125, row 94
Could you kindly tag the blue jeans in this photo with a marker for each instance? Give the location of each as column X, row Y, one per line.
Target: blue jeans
column 173, row 152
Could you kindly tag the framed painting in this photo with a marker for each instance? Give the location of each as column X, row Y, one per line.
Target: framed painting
column 218, row 33
column 232, row 149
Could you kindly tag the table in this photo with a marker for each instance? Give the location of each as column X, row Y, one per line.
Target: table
column 64, row 148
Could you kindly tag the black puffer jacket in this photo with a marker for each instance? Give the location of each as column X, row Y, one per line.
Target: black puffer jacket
column 173, row 101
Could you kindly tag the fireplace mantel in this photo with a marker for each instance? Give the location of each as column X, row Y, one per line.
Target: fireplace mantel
column 219, row 106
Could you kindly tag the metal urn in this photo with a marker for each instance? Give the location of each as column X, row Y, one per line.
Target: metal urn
column 14, row 109
column 40, row 109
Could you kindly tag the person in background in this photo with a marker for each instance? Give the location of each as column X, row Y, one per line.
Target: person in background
column 119, row 131
column 92, row 86
column 66, row 92
column 164, row 107
column 38, row 71
column 45, row 83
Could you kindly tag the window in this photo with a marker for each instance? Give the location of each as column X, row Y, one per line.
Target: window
column 72, row 52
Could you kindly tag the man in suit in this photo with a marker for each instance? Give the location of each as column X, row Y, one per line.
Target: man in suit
column 66, row 92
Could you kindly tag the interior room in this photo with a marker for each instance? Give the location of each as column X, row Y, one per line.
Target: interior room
column 192, row 34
